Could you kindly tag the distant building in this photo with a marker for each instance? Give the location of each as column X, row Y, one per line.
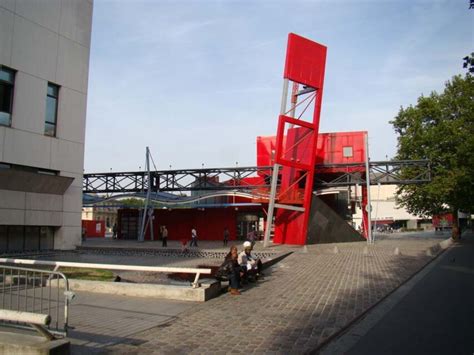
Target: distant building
column 44, row 66
column 107, row 214
column 386, row 212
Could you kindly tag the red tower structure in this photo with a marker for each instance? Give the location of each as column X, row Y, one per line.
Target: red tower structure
column 297, row 141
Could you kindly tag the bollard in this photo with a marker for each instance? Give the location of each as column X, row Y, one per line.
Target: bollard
column 366, row 251
column 396, row 251
column 336, row 250
column 305, row 249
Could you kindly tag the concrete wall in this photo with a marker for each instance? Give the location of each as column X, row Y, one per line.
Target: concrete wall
column 46, row 41
column 326, row 226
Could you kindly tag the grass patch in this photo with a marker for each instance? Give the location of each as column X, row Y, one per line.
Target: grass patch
column 87, row 274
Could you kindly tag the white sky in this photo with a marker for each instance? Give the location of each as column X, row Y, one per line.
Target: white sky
column 197, row 81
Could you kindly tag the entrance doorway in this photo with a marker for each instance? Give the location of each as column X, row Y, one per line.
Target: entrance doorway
column 247, row 222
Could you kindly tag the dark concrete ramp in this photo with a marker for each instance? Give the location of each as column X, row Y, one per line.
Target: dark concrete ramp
column 326, row 226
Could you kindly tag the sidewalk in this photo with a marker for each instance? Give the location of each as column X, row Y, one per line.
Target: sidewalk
column 304, row 299
column 435, row 316
column 99, row 320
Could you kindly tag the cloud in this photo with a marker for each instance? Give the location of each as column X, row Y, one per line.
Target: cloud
column 198, row 81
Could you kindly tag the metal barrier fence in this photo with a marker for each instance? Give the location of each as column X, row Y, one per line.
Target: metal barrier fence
column 36, row 291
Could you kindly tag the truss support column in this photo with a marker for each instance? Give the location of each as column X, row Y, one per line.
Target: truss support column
column 276, row 169
column 271, row 205
column 141, row 237
column 369, row 201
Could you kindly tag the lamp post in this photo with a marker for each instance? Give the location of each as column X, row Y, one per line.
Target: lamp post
column 367, row 178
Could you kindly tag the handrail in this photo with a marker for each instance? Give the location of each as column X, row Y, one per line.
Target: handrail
column 185, row 270
column 26, row 317
column 35, row 320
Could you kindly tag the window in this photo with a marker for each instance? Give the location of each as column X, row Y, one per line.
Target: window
column 30, row 169
column 347, row 152
column 51, row 110
column 7, row 79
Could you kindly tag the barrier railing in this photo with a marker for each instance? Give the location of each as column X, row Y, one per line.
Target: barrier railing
column 34, row 291
column 57, row 264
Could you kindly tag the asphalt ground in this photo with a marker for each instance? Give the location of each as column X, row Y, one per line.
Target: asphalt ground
column 435, row 315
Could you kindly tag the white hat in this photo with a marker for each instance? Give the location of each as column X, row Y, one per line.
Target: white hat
column 247, row 245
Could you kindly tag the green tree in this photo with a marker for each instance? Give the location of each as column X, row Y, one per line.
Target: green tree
column 440, row 128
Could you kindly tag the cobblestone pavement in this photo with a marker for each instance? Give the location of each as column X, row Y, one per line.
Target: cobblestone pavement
column 99, row 320
column 302, row 301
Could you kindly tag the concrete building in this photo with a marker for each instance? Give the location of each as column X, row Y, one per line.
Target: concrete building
column 44, row 65
column 386, row 211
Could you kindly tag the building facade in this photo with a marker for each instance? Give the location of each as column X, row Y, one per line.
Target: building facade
column 385, row 210
column 44, row 66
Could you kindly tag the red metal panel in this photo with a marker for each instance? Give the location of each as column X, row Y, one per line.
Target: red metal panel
column 266, row 150
column 94, row 229
column 305, row 61
column 305, row 64
column 288, row 227
column 329, row 149
column 296, row 122
column 209, row 223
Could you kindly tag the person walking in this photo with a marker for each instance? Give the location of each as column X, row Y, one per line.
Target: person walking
column 114, row 231
column 226, row 235
column 252, row 236
column 164, row 236
column 193, row 238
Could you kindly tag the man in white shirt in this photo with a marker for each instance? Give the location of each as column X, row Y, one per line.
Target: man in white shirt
column 250, row 264
column 193, row 238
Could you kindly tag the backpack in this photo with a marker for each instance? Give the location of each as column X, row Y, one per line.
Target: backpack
column 222, row 274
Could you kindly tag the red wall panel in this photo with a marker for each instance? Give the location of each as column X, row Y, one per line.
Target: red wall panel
column 305, row 61
column 329, row 148
column 94, row 229
column 209, row 223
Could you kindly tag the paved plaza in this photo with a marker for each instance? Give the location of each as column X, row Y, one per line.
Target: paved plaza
column 304, row 300
column 432, row 313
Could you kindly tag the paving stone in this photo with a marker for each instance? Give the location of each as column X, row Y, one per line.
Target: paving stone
column 304, row 299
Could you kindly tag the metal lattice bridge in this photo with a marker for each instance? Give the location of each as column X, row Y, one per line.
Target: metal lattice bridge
column 237, row 179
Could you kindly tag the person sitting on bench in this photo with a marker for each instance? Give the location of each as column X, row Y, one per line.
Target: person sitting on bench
column 231, row 270
column 251, row 265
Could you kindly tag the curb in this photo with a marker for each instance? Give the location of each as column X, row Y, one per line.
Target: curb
column 272, row 261
column 204, row 293
column 441, row 246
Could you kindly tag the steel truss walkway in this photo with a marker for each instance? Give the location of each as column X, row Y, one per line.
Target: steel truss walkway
column 215, row 179
column 401, row 172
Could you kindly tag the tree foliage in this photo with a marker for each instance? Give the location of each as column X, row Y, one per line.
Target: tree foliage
column 440, row 128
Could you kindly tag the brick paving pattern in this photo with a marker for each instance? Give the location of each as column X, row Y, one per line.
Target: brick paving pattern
column 303, row 300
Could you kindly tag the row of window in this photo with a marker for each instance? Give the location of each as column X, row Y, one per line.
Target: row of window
column 15, row 239
column 7, row 166
column 7, row 83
